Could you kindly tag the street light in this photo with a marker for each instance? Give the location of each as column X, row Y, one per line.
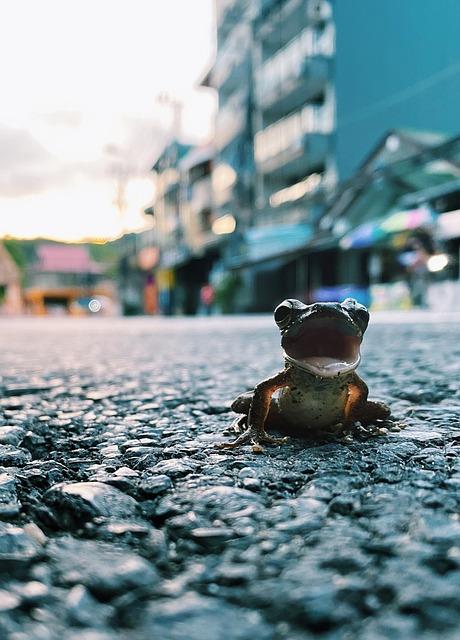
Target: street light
column 438, row 262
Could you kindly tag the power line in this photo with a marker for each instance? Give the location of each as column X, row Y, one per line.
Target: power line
column 401, row 96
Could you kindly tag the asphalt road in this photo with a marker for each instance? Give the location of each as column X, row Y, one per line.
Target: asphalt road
column 120, row 519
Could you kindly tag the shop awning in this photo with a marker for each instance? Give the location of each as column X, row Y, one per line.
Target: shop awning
column 261, row 244
column 370, row 233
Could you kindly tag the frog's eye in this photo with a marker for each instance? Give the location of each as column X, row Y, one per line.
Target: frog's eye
column 358, row 312
column 283, row 314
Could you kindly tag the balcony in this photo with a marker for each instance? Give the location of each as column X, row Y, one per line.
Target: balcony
column 225, row 10
column 310, row 152
column 223, row 182
column 201, row 194
column 231, row 120
column 232, row 12
column 295, row 144
column 233, row 61
column 277, row 17
column 297, row 72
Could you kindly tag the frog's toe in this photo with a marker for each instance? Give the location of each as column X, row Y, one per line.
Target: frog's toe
column 256, row 438
column 242, row 439
column 266, row 439
column 239, row 424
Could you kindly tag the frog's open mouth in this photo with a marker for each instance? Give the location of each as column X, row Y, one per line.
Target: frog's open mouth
column 325, row 346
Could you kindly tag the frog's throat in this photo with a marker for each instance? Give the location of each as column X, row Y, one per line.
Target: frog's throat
column 332, row 370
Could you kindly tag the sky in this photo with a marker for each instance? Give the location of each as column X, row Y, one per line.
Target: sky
column 79, row 108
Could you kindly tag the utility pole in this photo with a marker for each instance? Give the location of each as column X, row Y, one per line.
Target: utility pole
column 176, row 106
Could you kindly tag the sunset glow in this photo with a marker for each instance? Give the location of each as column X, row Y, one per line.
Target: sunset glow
column 80, row 116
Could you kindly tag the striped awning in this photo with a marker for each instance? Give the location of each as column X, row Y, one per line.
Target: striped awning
column 370, row 233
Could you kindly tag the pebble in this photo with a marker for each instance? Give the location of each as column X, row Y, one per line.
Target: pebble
column 106, row 571
column 11, row 456
column 11, row 434
column 17, row 548
column 201, row 618
column 74, row 503
column 155, row 485
column 83, row 610
column 9, row 503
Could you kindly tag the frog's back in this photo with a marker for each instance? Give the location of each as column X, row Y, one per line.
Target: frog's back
column 312, row 402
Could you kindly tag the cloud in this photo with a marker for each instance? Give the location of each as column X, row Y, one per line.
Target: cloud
column 25, row 165
column 28, row 168
column 19, row 148
column 63, row 118
column 142, row 141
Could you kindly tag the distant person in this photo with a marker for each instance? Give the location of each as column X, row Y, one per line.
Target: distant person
column 207, row 296
column 415, row 260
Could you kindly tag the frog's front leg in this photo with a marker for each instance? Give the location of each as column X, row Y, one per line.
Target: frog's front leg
column 258, row 411
column 359, row 408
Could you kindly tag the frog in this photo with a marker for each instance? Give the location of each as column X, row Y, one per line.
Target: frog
column 318, row 387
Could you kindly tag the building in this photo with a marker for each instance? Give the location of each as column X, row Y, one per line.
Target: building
column 316, row 83
column 168, row 227
column 306, row 89
column 64, row 279
column 273, row 135
column 232, row 77
column 294, row 108
column 203, row 228
column 397, row 67
column 406, row 191
column 293, row 125
column 188, row 229
column 138, row 256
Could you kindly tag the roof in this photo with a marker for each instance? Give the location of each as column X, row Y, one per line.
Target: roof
column 402, row 163
column 265, row 243
column 63, row 258
column 171, row 155
column 196, row 156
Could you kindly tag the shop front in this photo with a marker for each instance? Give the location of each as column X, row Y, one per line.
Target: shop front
column 271, row 264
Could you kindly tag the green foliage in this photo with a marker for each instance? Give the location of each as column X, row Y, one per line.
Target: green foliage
column 106, row 252
column 226, row 291
column 16, row 250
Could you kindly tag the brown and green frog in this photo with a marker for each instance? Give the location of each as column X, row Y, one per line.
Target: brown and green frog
column 318, row 387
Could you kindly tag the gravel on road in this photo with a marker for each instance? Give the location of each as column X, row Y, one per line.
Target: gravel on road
column 120, row 519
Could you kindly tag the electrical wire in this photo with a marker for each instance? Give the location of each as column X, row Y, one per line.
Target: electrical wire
column 401, row 96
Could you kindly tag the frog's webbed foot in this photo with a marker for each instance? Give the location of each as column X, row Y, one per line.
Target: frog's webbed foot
column 256, row 406
column 257, row 437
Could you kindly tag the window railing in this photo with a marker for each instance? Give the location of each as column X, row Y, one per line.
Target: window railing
column 230, row 120
column 289, row 131
column 288, row 62
column 232, row 54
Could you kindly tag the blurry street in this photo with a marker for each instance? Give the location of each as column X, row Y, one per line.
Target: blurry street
column 119, row 516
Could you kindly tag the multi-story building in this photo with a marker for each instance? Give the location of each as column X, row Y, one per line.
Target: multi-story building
column 306, row 88
column 188, row 230
column 315, row 84
column 169, row 230
column 274, row 135
column 294, row 108
column 201, row 226
column 232, row 77
column 138, row 256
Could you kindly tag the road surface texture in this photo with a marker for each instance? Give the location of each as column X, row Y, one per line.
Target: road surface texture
column 119, row 519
